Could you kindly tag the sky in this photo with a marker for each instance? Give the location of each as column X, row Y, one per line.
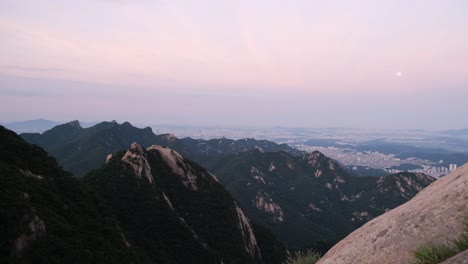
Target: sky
column 242, row 63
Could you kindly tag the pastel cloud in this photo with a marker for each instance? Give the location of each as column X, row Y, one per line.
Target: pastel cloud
column 249, row 48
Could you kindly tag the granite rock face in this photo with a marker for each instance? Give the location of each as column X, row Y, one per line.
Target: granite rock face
column 35, row 230
column 173, row 210
column 435, row 215
column 461, row 258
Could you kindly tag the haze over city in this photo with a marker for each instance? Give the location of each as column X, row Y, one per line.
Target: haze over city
column 361, row 64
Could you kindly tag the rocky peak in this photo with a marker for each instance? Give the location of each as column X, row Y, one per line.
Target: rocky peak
column 137, row 159
column 136, row 149
column 178, row 165
column 404, row 184
column 185, row 197
column 74, row 123
column 108, row 158
column 264, row 202
column 169, row 137
column 424, row 177
column 314, row 158
column 126, row 124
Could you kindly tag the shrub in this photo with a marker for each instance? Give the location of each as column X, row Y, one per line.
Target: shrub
column 303, row 257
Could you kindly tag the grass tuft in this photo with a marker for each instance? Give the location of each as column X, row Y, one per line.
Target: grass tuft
column 303, row 257
column 462, row 242
column 433, row 254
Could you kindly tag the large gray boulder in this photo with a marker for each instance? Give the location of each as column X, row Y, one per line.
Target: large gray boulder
column 435, row 215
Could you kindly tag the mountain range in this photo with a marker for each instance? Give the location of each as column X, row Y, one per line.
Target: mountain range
column 305, row 199
column 143, row 206
column 31, row 126
column 37, row 125
column 80, row 150
column 310, row 196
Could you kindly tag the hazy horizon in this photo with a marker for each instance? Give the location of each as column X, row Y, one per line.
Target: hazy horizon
column 154, row 125
column 365, row 64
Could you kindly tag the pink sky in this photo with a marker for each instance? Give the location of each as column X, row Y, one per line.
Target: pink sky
column 261, row 51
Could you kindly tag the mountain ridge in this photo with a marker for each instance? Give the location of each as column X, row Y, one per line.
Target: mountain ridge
column 310, row 198
column 80, row 150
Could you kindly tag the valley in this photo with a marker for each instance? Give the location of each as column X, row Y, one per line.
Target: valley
column 305, row 198
column 279, row 197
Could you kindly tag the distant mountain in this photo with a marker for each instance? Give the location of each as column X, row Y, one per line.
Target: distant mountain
column 310, row 198
column 45, row 214
column 37, row 125
column 434, row 217
column 407, row 167
column 223, row 146
column 366, row 171
column 447, row 159
column 174, row 210
column 456, row 132
column 80, row 150
column 385, row 147
column 207, row 151
column 31, row 126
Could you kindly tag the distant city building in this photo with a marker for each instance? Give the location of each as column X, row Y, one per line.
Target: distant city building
column 452, row 167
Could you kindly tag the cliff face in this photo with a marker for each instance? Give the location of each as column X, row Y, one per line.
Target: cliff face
column 435, row 215
column 172, row 210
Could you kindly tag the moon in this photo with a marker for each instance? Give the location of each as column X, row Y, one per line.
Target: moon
column 398, row 74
